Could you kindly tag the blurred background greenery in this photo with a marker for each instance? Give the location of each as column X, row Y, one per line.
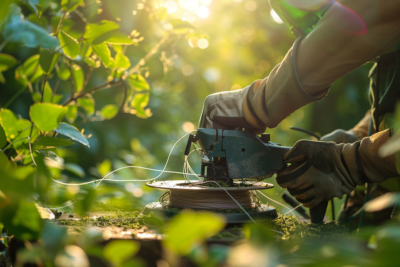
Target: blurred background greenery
column 235, row 42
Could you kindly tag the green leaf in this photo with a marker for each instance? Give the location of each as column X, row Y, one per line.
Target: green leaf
column 47, row 116
column 25, row 71
column 48, row 97
column 104, row 167
column 118, row 251
column 63, row 72
column 103, row 52
column 48, row 60
column 4, row 163
column 26, row 223
column 92, row 63
column 3, row 138
column 2, row 79
column 37, row 75
column 137, row 82
column 53, row 141
column 122, row 61
column 79, row 77
column 16, row 128
column 47, row 93
column 72, row 132
column 162, row 13
column 75, row 169
column 83, row 204
column 69, row 45
column 17, row 29
column 6, row 62
column 180, row 26
column 72, row 113
column 110, row 111
column 87, row 103
column 85, row 49
column 182, row 239
column 119, row 39
column 140, row 101
column 98, row 33
column 71, row 5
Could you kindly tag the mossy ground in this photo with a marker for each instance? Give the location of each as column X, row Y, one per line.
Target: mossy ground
column 292, row 228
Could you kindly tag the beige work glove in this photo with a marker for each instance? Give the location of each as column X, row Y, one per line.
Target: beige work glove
column 265, row 103
column 225, row 111
column 320, row 171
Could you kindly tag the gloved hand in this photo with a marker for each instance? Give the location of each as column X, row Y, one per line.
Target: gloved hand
column 340, row 136
column 357, row 133
column 323, row 170
column 265, row 103
column 226, row 110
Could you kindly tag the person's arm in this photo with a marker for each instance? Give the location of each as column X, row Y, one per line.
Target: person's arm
column 305, row 74
column 348, row 35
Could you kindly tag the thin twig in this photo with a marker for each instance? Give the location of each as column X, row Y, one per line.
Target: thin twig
column 55, row 90
column 13, row 142
column 44, row 85
column 93, row 90
column 81, row 16
column 121, row 108
column 146, row 57
column 88, row 75
column 61, row 22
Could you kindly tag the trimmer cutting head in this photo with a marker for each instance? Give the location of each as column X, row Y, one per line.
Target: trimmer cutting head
column 230, row 154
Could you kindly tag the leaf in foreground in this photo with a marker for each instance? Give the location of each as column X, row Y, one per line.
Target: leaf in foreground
column 17, row 29
column 48, row 60
column 109, row 111
column 186, row 230
column 118, row 251
column 69, row 45
column 3, row 138
column 72, row 132
column 47, row 116
column 53, row 141
column 6, row 62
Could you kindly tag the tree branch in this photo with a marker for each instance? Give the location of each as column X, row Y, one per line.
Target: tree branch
column 93, row 90
column 146, row 57
column 44, row 86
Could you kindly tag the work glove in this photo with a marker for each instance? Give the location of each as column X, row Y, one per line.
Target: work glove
column 225, row 110
column 357, row 133
column 340, row 136
column 265, row 103
column 320, row 171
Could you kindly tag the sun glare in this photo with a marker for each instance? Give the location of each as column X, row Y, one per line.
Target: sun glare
column 275, row 17
column 189, row 4
column 202, row 12
column 171, row 6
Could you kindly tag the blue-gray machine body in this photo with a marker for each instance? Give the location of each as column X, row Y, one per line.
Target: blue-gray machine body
column 238, row 154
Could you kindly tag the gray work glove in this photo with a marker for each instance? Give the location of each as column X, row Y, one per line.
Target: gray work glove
column 225, row 110
column 320, row 171
column 341, row 136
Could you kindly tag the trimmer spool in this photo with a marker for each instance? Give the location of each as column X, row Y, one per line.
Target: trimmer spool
column 196, row 196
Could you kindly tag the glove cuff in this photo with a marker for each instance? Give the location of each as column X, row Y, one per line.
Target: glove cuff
column 364, row 163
